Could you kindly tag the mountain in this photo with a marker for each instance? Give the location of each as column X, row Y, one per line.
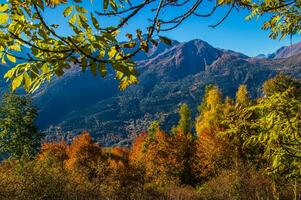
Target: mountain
column 284, row 52
column 169, row 76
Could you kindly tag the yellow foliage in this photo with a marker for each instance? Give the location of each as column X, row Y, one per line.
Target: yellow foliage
column 242, row 96
column 53, row 3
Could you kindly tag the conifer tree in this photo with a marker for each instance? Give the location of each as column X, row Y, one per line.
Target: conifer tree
column 242, row 96
column 185, row 123
column 210, row 110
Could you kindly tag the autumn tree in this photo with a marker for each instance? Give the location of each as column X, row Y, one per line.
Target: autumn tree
column 153, row 128
column 237, row 124
column 185, row 123
column 93, row 44
column 53, row 153
column 279, row 84
column 136, row 156
column 160, row 165
column 242, row 96
column 182, row 141
column 19, row 137
column 210, row 110
column 211, row 150
column 83, row 156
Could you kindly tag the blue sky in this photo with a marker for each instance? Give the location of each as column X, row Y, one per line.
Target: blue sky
column 235, row 33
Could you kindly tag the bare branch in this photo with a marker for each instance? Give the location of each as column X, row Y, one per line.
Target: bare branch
column 225, row 17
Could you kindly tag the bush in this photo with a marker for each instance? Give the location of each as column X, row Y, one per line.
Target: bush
column 237, row 184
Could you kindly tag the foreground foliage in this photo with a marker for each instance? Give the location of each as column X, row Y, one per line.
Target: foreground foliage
column 90, row 43
column 19, row 137
column 242, row 149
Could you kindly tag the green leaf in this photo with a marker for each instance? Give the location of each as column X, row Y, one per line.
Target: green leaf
column 165, row 40
column 27, row 81
column 127, row 81
column 93, row 68
column 81, row 9
column 83, row 18
column 102, row 69
column 113, row 5
column 45, row 69
column 10, row 73
column 84, row 64
column 59, row 72
column 3, row 61
column 95, row 22
column 105, row 4
column 16, row 82
column 68, row 11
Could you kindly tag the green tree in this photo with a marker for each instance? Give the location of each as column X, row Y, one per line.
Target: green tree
column 237, row 127
column 280, row 125
column 279, row 84
column 153, row 127
column 185, row 123
column 19, row 137
column 94, row 45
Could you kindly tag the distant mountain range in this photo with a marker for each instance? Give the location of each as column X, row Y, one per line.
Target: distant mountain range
column 169, row 75
column 284, row 52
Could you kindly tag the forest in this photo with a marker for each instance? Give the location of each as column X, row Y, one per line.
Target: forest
column 238, row 148
column 235, row 148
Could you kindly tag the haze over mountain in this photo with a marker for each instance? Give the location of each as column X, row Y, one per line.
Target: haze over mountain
column 169, row 75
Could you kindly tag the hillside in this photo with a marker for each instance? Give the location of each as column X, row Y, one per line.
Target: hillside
column 283, row 52
column 169, row 76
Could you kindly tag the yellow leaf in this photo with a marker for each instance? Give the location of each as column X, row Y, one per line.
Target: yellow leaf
column 3, row 18
column 3, row 7
column 112, row 52
column 11, row 58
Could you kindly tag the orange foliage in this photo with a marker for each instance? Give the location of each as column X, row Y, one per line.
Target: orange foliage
column 53, row 152
column 136, row 155
column 166, row 159
column 118, row 157
column 162, row 164
column 211, row 154
column 83, row 155
column 120, row 153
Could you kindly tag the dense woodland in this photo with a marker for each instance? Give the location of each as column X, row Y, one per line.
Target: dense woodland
column 235, row 149
column 238, row 148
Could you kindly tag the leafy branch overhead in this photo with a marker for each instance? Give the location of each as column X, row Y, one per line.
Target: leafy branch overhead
column 25, row 27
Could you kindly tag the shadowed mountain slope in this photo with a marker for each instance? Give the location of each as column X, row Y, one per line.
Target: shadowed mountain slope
column 169, row 76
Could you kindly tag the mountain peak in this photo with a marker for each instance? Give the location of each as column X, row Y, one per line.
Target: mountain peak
column 199, row 44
